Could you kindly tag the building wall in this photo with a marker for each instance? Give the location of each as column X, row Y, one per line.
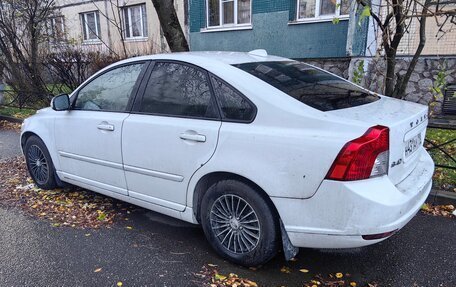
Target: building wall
column 110, row 34
column 274, row 28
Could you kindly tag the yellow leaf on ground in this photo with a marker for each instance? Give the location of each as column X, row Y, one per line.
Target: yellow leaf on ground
column 97, row 270
column 119, row 284
column 211, row 265
column 353, row 284
column 285, row 269
column 303, row 270
column 339, row 275
column 219, row 277
column 129, row 227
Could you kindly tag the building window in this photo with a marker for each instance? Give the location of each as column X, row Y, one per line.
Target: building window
column 57, row 28
column 91, row 26
column 323, row 9
column 227, row 13
column 135, row 21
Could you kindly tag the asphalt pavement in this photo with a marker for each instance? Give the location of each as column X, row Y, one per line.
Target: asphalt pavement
column 9, row 143
column 161, row 251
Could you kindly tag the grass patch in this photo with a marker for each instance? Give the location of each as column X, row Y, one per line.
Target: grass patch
column 16, row 112
column 444, row 178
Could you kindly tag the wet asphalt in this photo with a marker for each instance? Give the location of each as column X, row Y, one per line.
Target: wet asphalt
column 9, row 143
column 161, row 251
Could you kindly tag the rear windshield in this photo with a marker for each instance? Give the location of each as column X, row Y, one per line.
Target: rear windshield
column 309, row 85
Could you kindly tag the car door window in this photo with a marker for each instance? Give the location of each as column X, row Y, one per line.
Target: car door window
column 234, row 106
column 111, row 91
column 178, row 90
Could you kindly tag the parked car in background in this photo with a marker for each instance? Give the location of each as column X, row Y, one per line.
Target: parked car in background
column 255, row 148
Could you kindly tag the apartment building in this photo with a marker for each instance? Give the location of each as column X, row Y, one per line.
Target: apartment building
column 123, row 27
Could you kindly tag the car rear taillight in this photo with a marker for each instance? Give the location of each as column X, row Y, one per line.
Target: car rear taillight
column 363, row 157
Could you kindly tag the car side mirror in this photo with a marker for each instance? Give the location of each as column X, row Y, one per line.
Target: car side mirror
column 61, row 103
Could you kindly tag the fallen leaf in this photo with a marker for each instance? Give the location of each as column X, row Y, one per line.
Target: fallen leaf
column 285, row 269
column 211, row 265
column 97, row 270
column 129, row 227
column 303, row 270
column 119, row 284
column 353, row 284
column 339, row 275
column 219, row 277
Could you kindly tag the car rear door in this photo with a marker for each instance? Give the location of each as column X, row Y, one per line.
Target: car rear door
column 172, row 131
column 88, row 137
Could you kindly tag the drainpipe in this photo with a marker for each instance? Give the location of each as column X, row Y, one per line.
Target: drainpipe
column 108, row 27
column 351, row 28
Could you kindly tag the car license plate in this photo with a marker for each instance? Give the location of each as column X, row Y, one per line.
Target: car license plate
column 412, row 145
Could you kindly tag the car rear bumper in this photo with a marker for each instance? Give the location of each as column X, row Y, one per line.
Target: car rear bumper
column 340, row 213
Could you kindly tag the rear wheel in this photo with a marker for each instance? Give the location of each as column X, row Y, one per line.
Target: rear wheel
column 239, row 223
column 39, row 163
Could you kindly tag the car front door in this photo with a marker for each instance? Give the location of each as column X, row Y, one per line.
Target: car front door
column 88, row 137
column 172, row 131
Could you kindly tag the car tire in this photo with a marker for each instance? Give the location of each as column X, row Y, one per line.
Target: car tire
column 39, row 163
column 250, row 237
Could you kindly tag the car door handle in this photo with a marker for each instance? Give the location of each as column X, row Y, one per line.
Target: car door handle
column 193, row 137
column 106, row 127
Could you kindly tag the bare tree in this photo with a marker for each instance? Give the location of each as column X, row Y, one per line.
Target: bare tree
column 22, row 31
column 395, row 24
column 116, row 20
column 170, row 25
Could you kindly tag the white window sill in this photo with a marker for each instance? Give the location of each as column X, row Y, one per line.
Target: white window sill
column 91, row 42
column 136, row 39
column 227, row 28
column 318, row 20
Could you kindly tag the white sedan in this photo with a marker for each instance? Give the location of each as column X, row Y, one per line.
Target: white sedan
column 264, row 152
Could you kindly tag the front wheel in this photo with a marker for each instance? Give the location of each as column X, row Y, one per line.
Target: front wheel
column 39, row 163
column 239, row 224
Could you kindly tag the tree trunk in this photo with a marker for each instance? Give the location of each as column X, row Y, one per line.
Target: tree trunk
column 402, row 82
column 170, row 25
column 390, row 66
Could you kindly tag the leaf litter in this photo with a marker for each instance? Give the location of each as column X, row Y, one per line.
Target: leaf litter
column 7, row 125
column 70, row 207
column 439, row 210
column 209, row 276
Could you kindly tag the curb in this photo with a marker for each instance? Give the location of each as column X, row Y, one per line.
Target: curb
column 10, row 119
column 444, row 194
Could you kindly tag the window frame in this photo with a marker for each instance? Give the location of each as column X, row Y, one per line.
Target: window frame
column 321, row 18
column 136, row 109
column 52, row 31
column 134, row 92
column 144, row 30
column 232, row 26
column 86, row 29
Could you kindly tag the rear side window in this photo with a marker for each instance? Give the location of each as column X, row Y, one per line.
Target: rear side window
column 309, row 85
column 234, row 106
column 178, row 90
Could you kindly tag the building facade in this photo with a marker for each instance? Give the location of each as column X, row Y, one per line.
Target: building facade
column 290, row 28
column 123, row 27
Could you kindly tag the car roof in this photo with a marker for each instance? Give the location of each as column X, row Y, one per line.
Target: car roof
column 203, row 58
